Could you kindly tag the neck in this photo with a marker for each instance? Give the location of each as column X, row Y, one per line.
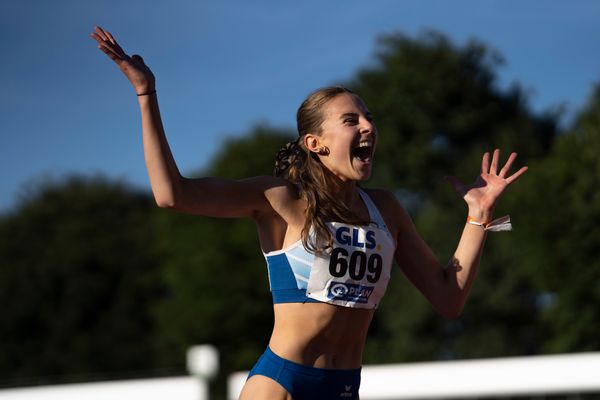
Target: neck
column 346, row 190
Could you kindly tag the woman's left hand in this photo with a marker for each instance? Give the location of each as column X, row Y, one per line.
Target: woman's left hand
column 481, row 196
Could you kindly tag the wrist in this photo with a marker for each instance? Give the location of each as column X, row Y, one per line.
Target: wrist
column 146, row 93
column 480, row 214
column 146, row 88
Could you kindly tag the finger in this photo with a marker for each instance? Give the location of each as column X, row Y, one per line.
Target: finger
column 102, row 40
column 507, row 166
column 119, row 49
column 110, row 54
column 104, row 36
column 110, row 37
column 457, row 184
column 485, row 163
column 96, row 37
column 108, row 49
column 100, row 32
column 494, row 165
column 116, row 46
column 516, row 175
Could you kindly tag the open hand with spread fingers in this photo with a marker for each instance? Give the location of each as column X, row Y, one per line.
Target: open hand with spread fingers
column 482, row 195
column 138, row 73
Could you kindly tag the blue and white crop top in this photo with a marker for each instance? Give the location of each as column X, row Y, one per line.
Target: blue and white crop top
column 353, row 273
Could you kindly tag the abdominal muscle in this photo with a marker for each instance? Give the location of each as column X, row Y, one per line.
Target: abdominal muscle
column 320, row 335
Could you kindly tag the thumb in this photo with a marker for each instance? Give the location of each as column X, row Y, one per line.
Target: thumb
column 138, row 58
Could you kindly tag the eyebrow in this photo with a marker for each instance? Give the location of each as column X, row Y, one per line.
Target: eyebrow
column 355, row 115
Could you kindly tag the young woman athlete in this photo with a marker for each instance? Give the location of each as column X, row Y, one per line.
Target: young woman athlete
column 329, row 244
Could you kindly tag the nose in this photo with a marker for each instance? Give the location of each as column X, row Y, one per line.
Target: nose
column 367, row 126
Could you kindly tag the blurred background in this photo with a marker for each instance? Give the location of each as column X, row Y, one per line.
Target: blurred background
column 98, row 283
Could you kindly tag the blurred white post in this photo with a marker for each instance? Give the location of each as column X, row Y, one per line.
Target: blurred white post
column 203, row 363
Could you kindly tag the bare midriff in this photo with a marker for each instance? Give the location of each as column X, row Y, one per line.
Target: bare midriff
column 320, row 335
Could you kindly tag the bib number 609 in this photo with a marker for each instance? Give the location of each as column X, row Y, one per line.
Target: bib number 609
column 357, row 265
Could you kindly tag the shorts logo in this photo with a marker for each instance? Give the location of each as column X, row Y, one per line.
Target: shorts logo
column 347, row 392
column 349, row 292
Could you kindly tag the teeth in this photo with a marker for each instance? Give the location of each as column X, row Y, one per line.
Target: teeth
column 364, row 144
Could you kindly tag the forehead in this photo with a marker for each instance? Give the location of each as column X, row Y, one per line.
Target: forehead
column 345, row 103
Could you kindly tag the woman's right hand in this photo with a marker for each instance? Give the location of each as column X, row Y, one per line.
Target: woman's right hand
column 138, row 73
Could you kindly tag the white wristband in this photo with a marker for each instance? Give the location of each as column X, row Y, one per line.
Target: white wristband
column 497, row 225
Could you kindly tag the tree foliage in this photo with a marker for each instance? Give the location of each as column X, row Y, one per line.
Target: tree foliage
column 78, row 282
column 562, row 236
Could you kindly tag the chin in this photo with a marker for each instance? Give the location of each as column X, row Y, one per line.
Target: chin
column 364, row 176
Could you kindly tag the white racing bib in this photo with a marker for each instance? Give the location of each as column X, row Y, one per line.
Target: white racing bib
column 356, row 271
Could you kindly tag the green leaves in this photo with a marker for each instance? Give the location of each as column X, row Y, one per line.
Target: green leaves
column 78, row 280
column 562, row 235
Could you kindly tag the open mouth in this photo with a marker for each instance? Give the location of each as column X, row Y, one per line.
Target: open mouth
column 363, row 151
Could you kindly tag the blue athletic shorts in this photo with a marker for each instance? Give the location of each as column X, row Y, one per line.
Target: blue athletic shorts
column 308, row 383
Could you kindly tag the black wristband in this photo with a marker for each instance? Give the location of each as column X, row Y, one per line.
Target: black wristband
column 147, row 93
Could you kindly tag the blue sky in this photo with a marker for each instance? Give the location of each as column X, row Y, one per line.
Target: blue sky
column 223, row 66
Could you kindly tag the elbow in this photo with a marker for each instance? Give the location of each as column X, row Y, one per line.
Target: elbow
column 167, row 196
column 165, row 203
column 166, row 200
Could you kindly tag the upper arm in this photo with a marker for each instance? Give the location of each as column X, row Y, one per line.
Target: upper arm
column 217, row 197
column 415, row 258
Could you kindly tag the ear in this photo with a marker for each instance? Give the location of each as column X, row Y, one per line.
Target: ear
column 312, row 143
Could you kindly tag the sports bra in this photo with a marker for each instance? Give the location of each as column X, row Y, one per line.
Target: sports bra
column 353, row 273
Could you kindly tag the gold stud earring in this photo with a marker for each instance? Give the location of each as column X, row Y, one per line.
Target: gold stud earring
column 323, row 151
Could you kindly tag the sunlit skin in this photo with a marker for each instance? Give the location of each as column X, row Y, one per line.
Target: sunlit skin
column 348, row 122
column 318, row 334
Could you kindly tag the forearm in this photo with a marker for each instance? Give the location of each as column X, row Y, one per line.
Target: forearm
column 447, row 288
column 165, row 178
column 462, row 268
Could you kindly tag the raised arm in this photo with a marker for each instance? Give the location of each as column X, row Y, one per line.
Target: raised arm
column 207, row 196
column 447, row 287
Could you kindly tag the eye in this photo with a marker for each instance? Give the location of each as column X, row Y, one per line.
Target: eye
column 351, row 121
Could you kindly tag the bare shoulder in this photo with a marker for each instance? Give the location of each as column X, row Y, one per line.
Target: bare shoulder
column 282, row 196
column 275, row 187
column 278, row 191
column 284, row 211
column 265, row 184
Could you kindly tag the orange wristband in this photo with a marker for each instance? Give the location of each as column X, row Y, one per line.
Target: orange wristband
column 497, row 225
